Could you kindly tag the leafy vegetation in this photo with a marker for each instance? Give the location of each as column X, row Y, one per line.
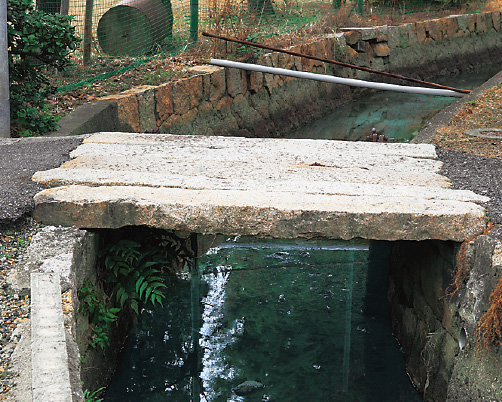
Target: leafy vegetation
column 37, row 41
column 94, row 302
column 93, row 396
column 132, row 276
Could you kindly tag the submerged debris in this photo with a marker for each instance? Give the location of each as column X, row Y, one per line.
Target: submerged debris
column 247, row 387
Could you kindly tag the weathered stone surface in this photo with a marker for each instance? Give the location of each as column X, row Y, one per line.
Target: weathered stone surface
column 381, row 49
column 128, row 108
column 262, row 187
column 496, row 20
column 164, row 102
column 234, row 81
column 352, row 37
column 187, row 94
column 217, row 85
column 435, row 29
column 483, row 22
column 255, row 81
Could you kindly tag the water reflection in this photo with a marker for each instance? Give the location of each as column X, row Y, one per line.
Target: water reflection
column 295, row 319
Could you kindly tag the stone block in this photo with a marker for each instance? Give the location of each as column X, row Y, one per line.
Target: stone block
column 187, row 94
column 255, row 81
column 483, row 22
column 352, row 55
column 146, row 108
column 274, row 58
column 496, row 20
column 224, row 103
column 368, row 33
column 393, row 34
column 382, row 38
column 205, row 72
column 164, row 102
column 451, row 27
column 234, row 81
column 352, row 37
column 420, row 31
column 381, row 49
column 285, row 61
column 471, row 22
column 128, row 110
column 435, row 29
column 175, row 122
column 377, row 64
column 217, row 87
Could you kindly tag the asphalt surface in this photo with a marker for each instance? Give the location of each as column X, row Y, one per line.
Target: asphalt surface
column 20, row 158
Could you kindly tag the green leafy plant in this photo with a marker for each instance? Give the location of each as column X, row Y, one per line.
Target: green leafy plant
column 135, row 274
column 37, row 41
column 93, row 396
column 93, row 301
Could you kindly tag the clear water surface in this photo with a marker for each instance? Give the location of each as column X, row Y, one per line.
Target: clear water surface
column 308, row 320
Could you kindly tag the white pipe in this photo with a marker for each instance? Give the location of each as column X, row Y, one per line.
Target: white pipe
column 336, row 80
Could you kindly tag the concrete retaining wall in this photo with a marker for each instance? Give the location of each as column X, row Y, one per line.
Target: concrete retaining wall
column 215, row 101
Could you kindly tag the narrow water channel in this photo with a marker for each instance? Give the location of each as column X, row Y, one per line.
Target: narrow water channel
column 395, row 114
column 303, row 320
column 300, row 320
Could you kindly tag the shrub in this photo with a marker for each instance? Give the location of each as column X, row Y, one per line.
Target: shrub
column 37, row 41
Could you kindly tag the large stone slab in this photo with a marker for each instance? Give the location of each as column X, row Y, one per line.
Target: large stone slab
column 263, row 187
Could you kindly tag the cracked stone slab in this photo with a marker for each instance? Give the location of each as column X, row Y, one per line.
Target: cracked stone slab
column 263, row 187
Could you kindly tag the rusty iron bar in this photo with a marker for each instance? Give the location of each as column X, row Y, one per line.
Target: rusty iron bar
column 339, row 63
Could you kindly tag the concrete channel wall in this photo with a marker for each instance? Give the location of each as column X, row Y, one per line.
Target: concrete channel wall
column 218, row 101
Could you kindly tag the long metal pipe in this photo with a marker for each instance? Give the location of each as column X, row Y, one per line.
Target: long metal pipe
column 336, row 80
column 338, row 63
column 4, row 73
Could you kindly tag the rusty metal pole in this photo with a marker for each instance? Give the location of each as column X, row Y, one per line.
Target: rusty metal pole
column 4, row 73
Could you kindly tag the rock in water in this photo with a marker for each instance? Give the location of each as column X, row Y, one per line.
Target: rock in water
column 247, row 387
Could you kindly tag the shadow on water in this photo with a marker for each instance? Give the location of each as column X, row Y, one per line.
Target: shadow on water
column 395, row 114
column 307, row 320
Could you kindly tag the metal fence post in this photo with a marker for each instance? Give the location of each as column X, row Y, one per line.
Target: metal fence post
column 4, row 73
column 194, row 20
column 360, row 7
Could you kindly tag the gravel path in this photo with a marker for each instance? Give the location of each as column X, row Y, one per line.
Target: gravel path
column 14, row 308
column 21, row 158
column 480, row 174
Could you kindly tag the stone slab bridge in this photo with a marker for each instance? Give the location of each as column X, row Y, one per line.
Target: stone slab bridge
column 280, row 188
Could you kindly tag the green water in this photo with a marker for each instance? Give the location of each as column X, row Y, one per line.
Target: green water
column 308, row 320
column 398, row 115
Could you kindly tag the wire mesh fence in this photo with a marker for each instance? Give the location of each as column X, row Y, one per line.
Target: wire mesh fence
column 119, row 35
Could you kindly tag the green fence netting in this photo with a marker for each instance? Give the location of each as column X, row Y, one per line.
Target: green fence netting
column 119, row 35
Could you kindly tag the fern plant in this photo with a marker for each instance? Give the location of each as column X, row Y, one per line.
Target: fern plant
column 135, row 274
column 93, row 302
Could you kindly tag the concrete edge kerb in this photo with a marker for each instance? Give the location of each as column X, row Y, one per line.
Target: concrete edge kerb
column 426, row 135
column 54, row 353
column 49, row 359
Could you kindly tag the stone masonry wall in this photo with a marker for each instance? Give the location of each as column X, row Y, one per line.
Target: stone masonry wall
column 218, row 101
column 428, row 324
